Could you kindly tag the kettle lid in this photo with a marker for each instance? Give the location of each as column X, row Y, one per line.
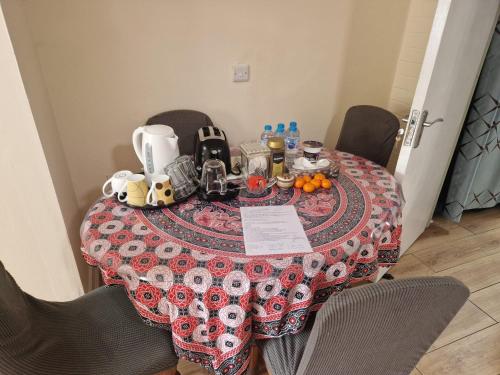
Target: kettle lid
column 163, row 130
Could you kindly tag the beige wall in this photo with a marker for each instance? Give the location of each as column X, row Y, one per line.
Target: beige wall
column 110, row 64
column 35, row 246
column 374, row 39
column 416, row 35
column 47, row 130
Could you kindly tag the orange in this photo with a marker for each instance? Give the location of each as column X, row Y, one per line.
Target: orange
column 307, row 178
column 319, row 176
column 326, row 184
column 316, row 183
column 309, row 187
column 299, row 183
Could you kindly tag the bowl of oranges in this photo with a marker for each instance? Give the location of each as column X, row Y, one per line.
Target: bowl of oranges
column 311, row 183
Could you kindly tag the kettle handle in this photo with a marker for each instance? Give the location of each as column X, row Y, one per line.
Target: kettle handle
column 137, row 142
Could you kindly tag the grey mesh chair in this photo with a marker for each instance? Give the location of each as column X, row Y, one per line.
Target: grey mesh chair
column 98, row 333
column 378, row 329
column 185, row 123
column 370, row 132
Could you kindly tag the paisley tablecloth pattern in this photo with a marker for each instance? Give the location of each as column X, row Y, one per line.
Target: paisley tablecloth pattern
column 185, row 267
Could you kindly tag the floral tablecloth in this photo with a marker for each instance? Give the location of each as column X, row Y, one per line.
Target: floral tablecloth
column 185, row 267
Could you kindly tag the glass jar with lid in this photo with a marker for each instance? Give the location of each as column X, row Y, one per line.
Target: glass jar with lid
column 255, row 166
column 255, row 158
column 277, row 147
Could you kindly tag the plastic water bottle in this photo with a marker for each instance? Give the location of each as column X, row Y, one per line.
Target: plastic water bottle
column 280, row 130
column 292, row 140
column 266, row 134
column 292, row 137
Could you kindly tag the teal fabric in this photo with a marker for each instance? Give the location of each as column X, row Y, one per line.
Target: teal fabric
column 474, row 180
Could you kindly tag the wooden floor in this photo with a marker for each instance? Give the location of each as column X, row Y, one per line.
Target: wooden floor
column 469, row 251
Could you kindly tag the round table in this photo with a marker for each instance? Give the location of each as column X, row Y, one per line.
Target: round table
column 185, row 269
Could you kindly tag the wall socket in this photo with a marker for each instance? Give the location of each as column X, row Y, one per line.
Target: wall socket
column 241, row 73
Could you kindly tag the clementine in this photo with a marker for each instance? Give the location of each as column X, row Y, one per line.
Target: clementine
column 299, row 182
column 316, row 183
column 319, row 176
column 326, row 184
column 309, row 187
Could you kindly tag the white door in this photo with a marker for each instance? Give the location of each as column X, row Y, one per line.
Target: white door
column 458, row 41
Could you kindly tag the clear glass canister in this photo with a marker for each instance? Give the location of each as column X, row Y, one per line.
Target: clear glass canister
column 255, row 159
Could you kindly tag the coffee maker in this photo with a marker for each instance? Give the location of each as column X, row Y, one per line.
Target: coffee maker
column 211, row 143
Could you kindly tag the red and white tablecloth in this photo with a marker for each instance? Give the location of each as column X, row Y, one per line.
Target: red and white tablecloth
column 185, row 267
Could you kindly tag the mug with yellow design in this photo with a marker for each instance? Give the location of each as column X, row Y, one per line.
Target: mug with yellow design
column 161, row 192
column 137, row 190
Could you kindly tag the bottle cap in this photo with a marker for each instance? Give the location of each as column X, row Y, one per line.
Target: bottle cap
column 281, row 127
column 268, row 127
column 293, row 125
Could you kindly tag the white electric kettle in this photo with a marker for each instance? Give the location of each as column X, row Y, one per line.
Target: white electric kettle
column 156, row 147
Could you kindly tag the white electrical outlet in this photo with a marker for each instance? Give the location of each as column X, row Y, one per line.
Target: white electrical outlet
column 241, row 73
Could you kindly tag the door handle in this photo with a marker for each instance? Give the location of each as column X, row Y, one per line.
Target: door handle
column 416, row 124
column 428, row 124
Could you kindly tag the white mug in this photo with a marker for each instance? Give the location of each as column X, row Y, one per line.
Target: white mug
column 116, row 182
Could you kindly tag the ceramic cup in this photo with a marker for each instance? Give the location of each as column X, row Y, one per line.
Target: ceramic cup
column 115, row 183
column 136, row 189
column 161, row 192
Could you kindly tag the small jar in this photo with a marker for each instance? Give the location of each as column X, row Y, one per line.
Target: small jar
column 312, row 150
column 285, row 181
column 277, row 147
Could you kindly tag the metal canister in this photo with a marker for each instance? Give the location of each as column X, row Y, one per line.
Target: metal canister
column 277, row 147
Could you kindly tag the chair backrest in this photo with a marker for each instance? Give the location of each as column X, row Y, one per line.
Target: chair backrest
column 381, row 329
column 370, row 132
column 14, row 308
column 185, row 123
column 98, row 333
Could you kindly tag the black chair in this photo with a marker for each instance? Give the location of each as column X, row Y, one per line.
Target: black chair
column 370, row 132
column 378, row 329
column 98, row 333
column 185, row 123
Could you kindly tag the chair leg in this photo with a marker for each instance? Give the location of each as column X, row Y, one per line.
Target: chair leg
column 254, row 357
column 257, row 365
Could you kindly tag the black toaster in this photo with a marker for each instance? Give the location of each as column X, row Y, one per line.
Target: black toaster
column 211, row 143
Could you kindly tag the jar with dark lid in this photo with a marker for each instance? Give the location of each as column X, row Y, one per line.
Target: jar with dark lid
column 277, row 147
column 312, row 150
